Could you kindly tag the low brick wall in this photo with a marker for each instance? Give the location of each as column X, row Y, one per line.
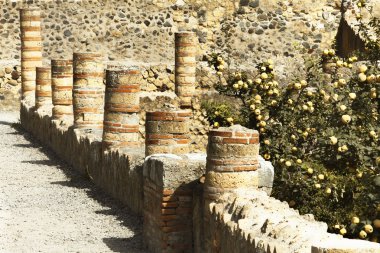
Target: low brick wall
column 251, row 222
column 120, row 175
column 169, row 182
column 168, row 189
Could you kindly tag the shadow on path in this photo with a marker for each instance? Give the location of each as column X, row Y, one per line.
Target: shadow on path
column 6, row 123
column 122, row 245
column 111, row 207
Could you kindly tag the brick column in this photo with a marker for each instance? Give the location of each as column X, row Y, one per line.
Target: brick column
column 88, row 91
column 232, row 161
column 31, row 51
column 167, row 132
column 62, row 86
column 43, row 87
column 185, row 66
column 122, row 107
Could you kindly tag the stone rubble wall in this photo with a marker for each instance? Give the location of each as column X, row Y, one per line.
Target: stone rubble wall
column 142, row 32
column 10, row 85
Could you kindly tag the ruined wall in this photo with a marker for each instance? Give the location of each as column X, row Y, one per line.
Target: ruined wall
column 168, row 191
column 142, row 31
column 251, row 222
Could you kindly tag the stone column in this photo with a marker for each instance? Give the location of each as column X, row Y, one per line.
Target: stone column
column 43, row 88
column 232, row 161
column 122, row 107
column 167, row 132
column 31, row 51
column 88, row 91
column 185, row 67
column 62, row 86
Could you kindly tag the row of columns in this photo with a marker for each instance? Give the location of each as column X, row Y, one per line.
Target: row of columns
column 75, row 92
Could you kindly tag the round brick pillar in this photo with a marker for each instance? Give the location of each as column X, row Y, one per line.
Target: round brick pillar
column 185, row 66
column 62, row 87
column 122, row 107
column 232, row 160
column 43, row 87
column 167, row 132
column 31, row 51
column 88, row 91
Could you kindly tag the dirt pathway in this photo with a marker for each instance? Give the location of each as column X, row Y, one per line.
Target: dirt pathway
column 46, row 207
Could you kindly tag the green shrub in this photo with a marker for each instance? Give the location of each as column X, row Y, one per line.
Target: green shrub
column 321, row 134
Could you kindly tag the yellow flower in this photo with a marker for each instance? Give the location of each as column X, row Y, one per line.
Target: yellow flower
column 235, row 86
column 230, row 120
column 216, row 124
column 318, row 186
column 371, row 78
column 288, row 163
column 299, row 161
column 258, row 80
column 355, row 220
column 328, row 190
column 346, row 119
column 362, row 234
column 297, row 86
column 252, row 107
column 266, row 156
column 257, row 97
column 321, row 177
column 303, row 83
column 352, row 96
column 362, row 77
column 333, row 140
column 363, row 68
column 257, row 111
column 344, row 148
column 368, row 229
column 342, row 81
column 262, row 123
column 264, row 76
column 267, row 142
column 373, row 93
column 343, row 231
column 342, row 108
column 310, row 171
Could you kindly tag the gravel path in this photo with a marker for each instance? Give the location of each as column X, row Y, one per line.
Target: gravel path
column 45, row 206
